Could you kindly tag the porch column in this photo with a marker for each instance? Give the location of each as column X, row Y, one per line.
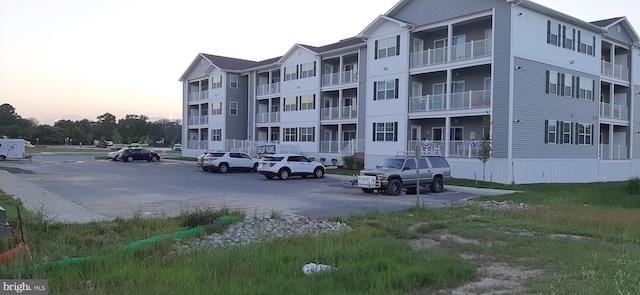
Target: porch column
column 340, row 139
column 449, row 48
column 447, row 89
column 340, row 70
column 447, row 135
column 611, row 141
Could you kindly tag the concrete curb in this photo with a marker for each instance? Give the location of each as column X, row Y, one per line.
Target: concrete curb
column 39, row 200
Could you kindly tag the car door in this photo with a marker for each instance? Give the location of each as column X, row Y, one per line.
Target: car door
column 138, row 154
column 426, row 171
column 306, row 166
column 245, row 160
column 409, row 175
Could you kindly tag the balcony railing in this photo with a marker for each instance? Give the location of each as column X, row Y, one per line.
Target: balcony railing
column 197, row 144
column 336, row 113
column 472, row 99
column 340, row 78
column 613, row 152
column 616, row 71
column 266, row 89
column 457, row 148
column 270, row 117
column 199, row 95
column 470, row 50
column 199, row 120
column 614, row 111
column 348, row 147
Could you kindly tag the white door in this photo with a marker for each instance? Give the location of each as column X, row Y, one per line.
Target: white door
column 457, row 95
column 416, row 132
column 459, row 47
column 437, row 99
column 417, row 97
column 328, row 75
column 439, row 54
column 417, row 55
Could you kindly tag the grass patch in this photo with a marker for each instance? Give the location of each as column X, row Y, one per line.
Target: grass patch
column 582, row 238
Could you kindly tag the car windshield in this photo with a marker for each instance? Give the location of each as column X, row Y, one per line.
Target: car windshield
column 272, row 159
column 213, row 155
column 391, row 163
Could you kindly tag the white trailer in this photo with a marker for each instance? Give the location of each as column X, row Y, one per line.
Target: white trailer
column 12, row 149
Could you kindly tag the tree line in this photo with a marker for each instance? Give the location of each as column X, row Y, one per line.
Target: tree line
column 131, row 128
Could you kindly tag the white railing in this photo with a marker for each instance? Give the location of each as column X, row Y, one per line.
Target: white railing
column 340, row 78
column 470, row 50
column 266, row 89
column 197, row 144
column 270, row 117
column 614, row 70
column 427, row 147
column 613, row 152
column 614, row 111
column 335, row 113
column 199, row 120
column 470, row 99
column 349, row 147
column 428, row 103
column 457, row 148
column 199, row 95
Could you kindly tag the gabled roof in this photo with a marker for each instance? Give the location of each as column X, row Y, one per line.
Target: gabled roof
column 624, row 22
column 381, row 20
column 606, row 22
column 293, row 48
column 219, row 62
column 352, row 41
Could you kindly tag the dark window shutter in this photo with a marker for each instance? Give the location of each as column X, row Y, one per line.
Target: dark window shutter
column 397, row 88
column 559, row 76
column 547, row 84
column 561, row 85
column 314, row 68
column 577, row 87
column 571, row 133
column 593, row 95
column 375, row 55
column 548, row 32
column 546, row 131
column 561, row 132
column 560, row 35
column 593, row 130
column 564, row 36
column 297, row 71
column 558, row 137
column 577, row 137
column 593, row 52
column 398, row 45
column 375, row 90
column 573, row 40
column 374, row 131
column 573, row 86
column 395, row 131
column 579, row 36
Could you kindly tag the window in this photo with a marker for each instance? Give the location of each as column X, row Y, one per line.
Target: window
column 307, row 133
column 586, row 88
column 385, row 131
column 216, row 108
column 216, row 82
column 567, row 85
column 291, row 73
column 308, row 70
column 387, row 47
column 566, row 132
column 291, row 104
column 233, row 108
column 385, row 89
column 585, row 132
column 553, row 33
column 290, row 134
column 586, row 43
column 552, row 131
column 307, row 102
column 233, row 81
column 552, row 82
column 569, row 38
column 216, row 134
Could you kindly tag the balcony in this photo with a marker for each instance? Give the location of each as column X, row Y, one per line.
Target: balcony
column 340, row 78
column 613, row 152
column 197, row 144
column 610, row 69
column 199, row 120
column 199, row 95
column 338, row 113
column 268, row 89
column 270, row 117
column 467, row 51
column 473, row 99
column 349, row 147
column 614, row 111
column 457, row 148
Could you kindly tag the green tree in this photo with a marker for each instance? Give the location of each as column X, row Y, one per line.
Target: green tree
column 484, row 154
column 105, row 127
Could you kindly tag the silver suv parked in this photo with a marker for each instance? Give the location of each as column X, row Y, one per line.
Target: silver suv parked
column 223, row 162
column 395, row 173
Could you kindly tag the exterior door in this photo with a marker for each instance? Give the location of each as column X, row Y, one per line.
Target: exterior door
column 459, row 47
column 418, row 48
column 416, row 133
column 417, row 101
column 440, row 51
column 457, row 95
column 437, row 101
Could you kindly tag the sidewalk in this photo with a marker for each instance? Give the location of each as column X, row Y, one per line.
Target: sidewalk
column 53, row 206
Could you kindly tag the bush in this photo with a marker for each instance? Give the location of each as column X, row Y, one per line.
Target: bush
column 633, row 186
column 348, row 161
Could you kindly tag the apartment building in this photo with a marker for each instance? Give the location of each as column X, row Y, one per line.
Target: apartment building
column 555, row 98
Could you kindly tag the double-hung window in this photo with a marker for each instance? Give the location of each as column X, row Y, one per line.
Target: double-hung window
column 290, row 134
column 307, row 102
column 233, row 81
column 387, row 131
column 553, row 33
column 216, row 108
column 585, row 132
column 387, row 47
column 291, row 104
column 385, row 89
column 216, row 82
column 307, row 134
column 216, row 134
column 586, row 43
column 568, row 41
column 233, row 108
column 552, row 131
column 291, row 73
column 566, row 132
column 567, row 85
column 552, row 82
column 586, row 88
column 308, row 70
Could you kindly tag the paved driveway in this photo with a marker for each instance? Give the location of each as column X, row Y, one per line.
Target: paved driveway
column 110, row 189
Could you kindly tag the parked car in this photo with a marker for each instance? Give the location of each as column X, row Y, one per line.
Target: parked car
column 224, row 162
column 177, row 147
column 132, row 154
column 115, row 155
column 285, row 165
column 395, row 173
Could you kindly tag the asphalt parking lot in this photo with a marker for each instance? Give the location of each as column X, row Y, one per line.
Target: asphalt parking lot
column 77, row 188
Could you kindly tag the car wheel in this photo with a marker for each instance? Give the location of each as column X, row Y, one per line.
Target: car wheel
column 130, row 159
column 283, row 174
column 3, row 157
column 205, row 169
column 255, row 167
column 268, row 176
column 368, row 190
column 318, row 172
column 394, row 187
column 437, row 186
column 154, row 159
column 223, row 168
